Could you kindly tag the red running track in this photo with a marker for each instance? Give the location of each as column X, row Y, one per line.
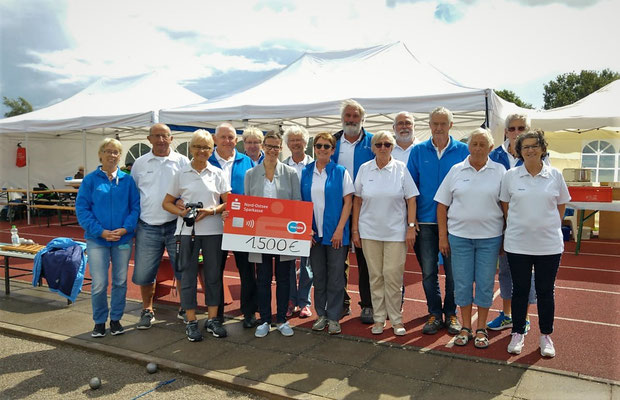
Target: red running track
column 587, row 331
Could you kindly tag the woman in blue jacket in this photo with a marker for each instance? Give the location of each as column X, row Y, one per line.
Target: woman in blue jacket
column 330, row 189
column 107, row 208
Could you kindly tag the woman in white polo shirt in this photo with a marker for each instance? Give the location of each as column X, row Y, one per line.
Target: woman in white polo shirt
column 470, row 222
column 534, row 196
column 202, row 182
column 384, row 209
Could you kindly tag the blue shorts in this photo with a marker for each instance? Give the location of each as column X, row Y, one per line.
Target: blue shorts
column 151, row 240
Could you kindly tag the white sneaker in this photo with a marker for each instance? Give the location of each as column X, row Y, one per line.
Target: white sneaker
column 516, row 343
column 546, row 346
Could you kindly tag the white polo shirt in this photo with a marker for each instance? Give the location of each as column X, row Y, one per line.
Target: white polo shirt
column 473, row 199
column 383, row 191
column 205, row 186
column 346, row 155
column 226, row 164
column 153, row 175
column 299, row 167
column 534, row 225
column 317, row 193
column 401, row 154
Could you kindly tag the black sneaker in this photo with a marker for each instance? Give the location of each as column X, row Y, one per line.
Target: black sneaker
column 146, row 319
column 249, row 322
column 193, row 332
column 116, row 328
column 98, row 330
column 432, row 325
column 182, row 315
column 215, row 327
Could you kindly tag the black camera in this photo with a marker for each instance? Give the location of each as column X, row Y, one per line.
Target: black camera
column 190, row 217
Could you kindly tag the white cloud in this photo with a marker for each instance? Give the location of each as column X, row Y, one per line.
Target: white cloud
column 499, row 43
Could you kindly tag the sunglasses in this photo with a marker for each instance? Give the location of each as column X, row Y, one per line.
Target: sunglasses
column 320, row 146
column 514, row 128
column 387, row 145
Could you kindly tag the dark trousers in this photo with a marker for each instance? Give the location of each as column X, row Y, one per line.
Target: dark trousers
column 364, row 280
column 427, row 252
column 264, row 274
column 188, row 266
column 327, row 264
column 247, row 276
column 545, row 271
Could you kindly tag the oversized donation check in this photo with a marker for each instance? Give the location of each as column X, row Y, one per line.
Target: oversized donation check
column 271, row 226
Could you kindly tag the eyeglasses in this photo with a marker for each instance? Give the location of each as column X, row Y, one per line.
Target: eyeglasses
column 514, row 128
column 387, row 145
column 271, row 147
column 406, row 123
column 320, row 146
column 198, row 147
column 112, row 152
column 533, row 147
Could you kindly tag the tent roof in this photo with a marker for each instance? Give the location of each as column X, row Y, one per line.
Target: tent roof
column 384, row 79
column 109, row 102
column 597, row 110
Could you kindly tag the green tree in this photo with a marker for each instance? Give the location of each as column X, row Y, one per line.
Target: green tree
column 512, row 97
column 17, row 106
column 568, row 88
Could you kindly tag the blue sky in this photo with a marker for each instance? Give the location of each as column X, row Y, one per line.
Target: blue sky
column 51, row 49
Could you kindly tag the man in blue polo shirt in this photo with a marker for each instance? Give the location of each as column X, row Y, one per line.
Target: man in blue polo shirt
column 429, row 162
column 352, row 150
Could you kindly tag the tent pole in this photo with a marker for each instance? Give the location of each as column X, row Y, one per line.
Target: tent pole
column 84, row 150
column 486, row 109
column 27, row 178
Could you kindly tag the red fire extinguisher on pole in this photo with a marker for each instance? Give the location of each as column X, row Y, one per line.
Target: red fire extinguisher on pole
column 20, row 161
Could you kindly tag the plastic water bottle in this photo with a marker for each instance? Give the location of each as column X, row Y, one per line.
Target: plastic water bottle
column 14, row 236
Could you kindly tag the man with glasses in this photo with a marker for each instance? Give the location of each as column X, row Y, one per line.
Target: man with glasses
column 152, row 173
column 235, row 165
column 429, row 162
column 506, row 154
column 404, row 133
column 352, row 150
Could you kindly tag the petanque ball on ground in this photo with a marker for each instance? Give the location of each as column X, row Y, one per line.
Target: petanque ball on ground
column 95, row 383
column 151, row 367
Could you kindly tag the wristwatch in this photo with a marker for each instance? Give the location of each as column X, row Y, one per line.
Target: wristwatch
column 411, row 225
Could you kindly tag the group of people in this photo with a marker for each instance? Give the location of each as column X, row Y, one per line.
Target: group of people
column 375, row 194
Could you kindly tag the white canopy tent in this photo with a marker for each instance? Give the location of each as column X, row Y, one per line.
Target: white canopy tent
column 385, row 79
column 65, row 135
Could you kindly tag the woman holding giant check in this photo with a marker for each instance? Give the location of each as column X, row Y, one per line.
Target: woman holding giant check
column 274, row 180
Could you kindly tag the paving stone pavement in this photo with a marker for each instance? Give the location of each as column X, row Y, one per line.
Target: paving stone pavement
column 308, row 365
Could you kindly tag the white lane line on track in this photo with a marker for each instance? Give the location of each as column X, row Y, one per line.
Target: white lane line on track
column 588, row 269
column 592, row 254
column 587, row 290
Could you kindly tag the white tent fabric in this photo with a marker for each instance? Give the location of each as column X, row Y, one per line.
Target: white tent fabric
column 110, row 102
column 385, row 79
column 65, row 135
column 595, row 111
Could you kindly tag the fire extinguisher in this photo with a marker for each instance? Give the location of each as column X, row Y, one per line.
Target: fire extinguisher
column 20, row 161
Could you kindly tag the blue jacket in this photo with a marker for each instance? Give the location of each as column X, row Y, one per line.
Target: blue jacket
column 333, row 200
column 64, row 275
column 104, row 204
column 241, row 164
column 499, row 155
column 428, row 172
column 363, row 150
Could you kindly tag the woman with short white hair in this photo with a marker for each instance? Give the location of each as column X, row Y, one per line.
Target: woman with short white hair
column 470, row 223
column 384, row 210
